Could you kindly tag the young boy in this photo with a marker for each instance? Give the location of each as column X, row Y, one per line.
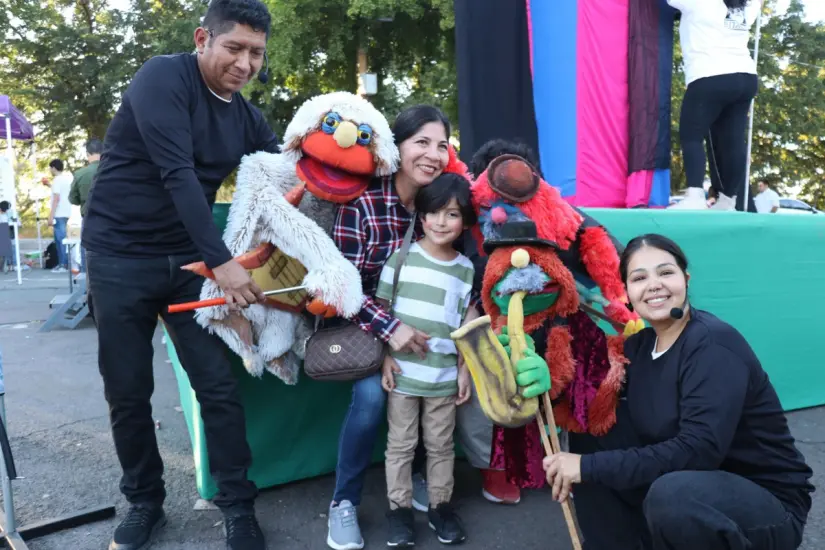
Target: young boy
column 433, row 296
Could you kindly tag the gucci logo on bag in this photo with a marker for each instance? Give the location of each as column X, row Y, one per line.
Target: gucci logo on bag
column 335, row 348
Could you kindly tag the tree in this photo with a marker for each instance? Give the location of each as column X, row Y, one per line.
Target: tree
column 65, row 63
column 314, row 49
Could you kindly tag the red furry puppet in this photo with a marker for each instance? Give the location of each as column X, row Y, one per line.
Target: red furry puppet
column 563, row 252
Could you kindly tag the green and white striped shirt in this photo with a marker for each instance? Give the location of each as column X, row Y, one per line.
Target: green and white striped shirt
column 433, row 296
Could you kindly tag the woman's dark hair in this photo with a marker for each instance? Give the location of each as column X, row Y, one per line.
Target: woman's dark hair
column 497, row 147
column 736, row 4
column 222, row 15
column 412, row 119
column 435, row 196
column 4, row 206
column 57, row 164
column 653, row 240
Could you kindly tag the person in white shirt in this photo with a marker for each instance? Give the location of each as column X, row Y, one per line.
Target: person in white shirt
column 61, row 211
column 767, row 201
column 721, row 82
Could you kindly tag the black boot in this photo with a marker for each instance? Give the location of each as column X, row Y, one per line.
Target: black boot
column 243, row 533
column 137, row 528
column 401, row 528
column 446, row 524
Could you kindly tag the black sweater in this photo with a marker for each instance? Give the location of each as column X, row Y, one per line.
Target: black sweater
column 167, row 151
column 706, row 404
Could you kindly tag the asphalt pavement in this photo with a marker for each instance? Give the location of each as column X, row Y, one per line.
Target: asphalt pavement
column 60, row 437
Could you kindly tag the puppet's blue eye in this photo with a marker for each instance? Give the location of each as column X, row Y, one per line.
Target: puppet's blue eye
column 331, row 122
column 364, row 135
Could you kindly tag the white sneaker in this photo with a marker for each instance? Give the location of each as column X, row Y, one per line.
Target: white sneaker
column 694, row 200
column 724, row 203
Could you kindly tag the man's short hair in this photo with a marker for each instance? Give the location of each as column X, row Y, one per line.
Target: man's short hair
column 94, row 147
column 497, row 147
column 57, row 164
column 222, row 16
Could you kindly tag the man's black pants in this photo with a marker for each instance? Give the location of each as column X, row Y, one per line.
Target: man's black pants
column 129, row 294
column 688, row 510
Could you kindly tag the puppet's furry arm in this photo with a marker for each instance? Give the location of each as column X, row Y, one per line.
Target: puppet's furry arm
column 602, row 262
column 329, row 276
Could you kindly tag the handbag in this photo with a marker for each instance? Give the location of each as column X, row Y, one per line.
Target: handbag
column 339, row 350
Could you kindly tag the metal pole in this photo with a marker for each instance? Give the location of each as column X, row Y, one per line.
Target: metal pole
column 750, row 122
column 10, row 152
column 38, row 204
column 8, row 499
column 39, row 243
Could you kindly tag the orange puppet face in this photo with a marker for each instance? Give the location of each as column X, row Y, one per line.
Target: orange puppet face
column 555, row 295
column 338, row 159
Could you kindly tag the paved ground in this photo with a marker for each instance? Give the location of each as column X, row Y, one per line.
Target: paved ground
column 60, row 437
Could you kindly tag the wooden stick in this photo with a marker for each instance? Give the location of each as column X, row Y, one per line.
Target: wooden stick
column 518, row 343
column 552, row 446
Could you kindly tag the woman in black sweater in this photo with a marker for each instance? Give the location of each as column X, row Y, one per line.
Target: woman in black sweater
column 701, row 455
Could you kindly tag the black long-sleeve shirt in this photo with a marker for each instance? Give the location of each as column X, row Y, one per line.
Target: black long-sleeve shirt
column 705, row 404
column 166, row 152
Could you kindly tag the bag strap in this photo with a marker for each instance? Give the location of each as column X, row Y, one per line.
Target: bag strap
column 402, row 256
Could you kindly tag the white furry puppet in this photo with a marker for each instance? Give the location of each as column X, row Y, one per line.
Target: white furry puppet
column 332, row 147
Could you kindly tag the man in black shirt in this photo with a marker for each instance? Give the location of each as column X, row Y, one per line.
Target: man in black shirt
column 182, row 128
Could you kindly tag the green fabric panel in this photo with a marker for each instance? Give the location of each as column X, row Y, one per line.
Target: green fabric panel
column 292, row 430
column 764, row 274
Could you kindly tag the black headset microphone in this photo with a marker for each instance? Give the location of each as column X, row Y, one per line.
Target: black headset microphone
column 679, row 312
column 263, row 74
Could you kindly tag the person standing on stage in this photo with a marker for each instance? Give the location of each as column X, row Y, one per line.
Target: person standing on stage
column 721, row 80
column 182, row 128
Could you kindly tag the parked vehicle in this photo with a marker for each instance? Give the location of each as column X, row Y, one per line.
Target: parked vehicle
column 795, row 206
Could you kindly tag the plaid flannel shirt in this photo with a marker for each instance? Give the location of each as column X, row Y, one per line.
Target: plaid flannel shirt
column 367, row 231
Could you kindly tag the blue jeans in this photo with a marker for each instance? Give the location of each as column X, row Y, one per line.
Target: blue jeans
column 357, row 440
column 60, row 234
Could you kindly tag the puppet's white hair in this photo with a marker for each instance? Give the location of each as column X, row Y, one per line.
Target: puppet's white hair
column 350, row 107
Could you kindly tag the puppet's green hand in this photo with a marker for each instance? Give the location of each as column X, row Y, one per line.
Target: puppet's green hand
column 504, row 339
column 532, row 375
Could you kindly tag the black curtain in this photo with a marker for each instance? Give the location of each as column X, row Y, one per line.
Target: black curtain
column 495, row 86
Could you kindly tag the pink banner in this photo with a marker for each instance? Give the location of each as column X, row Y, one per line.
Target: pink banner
column 602, row 103
column 639, row 185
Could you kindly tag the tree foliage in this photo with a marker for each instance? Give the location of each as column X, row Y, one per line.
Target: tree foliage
column 314, row 49
column 65, row 63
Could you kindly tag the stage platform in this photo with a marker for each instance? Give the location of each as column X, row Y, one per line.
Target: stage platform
column 764, row 274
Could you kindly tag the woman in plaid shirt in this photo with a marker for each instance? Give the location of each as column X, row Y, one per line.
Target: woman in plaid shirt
column 367, row 231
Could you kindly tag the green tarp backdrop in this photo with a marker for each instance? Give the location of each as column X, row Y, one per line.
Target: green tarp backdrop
column 764, row 274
